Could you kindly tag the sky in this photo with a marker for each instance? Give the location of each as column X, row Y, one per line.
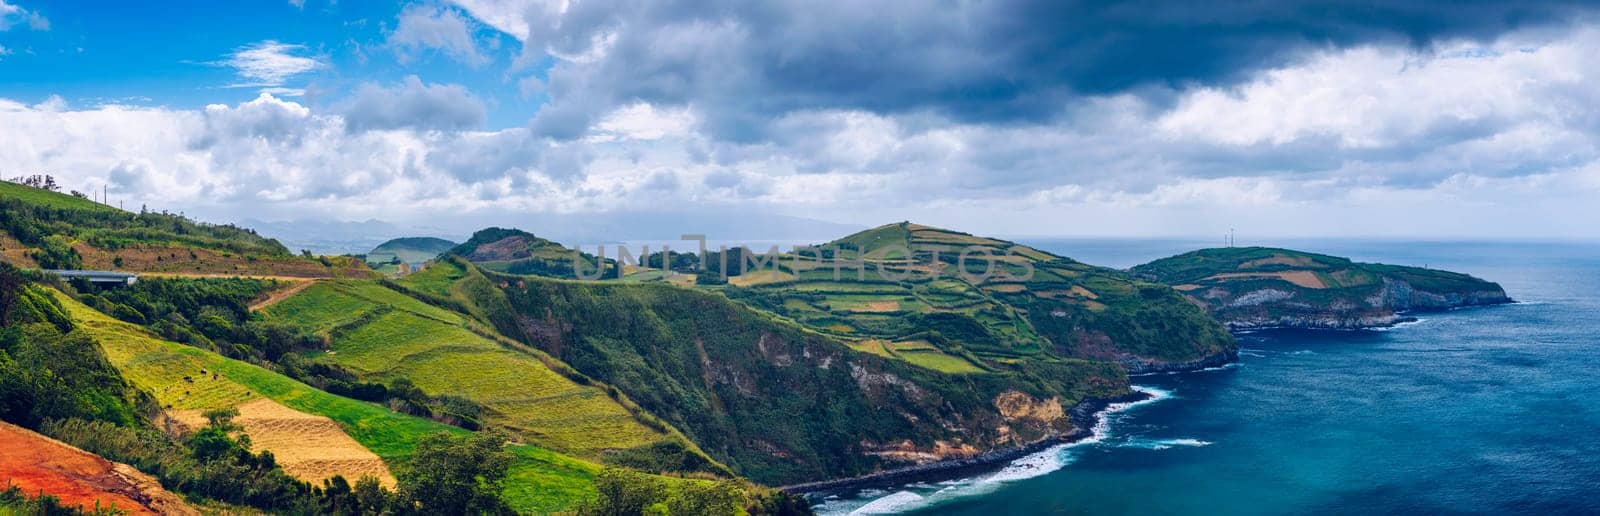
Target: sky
column 1394, row 119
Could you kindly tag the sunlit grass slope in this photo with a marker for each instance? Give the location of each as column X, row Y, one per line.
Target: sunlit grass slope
column 384, row 335
column 540, row 480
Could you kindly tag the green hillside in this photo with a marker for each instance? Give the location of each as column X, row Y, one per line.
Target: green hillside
column 1030, row 304
column 515, row 251
column 59, row 231
column 1252, row 287
column 168, row 371
column 734, row 379
column 730, row 360
column 409, row 250
column 384, row 335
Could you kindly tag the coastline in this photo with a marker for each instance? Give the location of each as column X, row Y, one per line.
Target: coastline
column 1085, row 415
column 1355, row 323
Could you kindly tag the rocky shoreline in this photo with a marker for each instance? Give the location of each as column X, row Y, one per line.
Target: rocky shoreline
column 1362, row 322
column 1084, row 416
column 1137, row 366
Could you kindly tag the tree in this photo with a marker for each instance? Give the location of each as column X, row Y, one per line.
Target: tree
column 722, row 497
column 624, row 492
column 457, row 475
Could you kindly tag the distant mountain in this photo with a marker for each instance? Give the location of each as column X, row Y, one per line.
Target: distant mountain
column 355, row 237
column 332, row 237
column 1263, row 287
column 409, row 250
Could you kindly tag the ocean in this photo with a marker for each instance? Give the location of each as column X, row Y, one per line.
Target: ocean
column 1478, row 410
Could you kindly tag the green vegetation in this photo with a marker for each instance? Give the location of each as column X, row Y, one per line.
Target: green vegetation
column 458, row 475
column 13, row 501
column 384, row 336
column 519, row 252
column 733, row 379
column 866, row 287
column 160, row 367
column 48, row 370
column 33, row 215
column 730, row 377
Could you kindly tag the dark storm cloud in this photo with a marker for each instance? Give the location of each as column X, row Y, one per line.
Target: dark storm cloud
column 742, row 63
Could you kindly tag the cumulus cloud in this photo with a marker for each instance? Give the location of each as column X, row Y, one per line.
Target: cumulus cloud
column 742, row 63
column 413, row 105
column 424, row 27
column 270, row 63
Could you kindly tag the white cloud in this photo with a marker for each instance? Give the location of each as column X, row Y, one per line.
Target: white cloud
column 644, row 122
column 12, row 15
column 508, row 15
column 270, row 63
column 431, row 27
column 1381, row 97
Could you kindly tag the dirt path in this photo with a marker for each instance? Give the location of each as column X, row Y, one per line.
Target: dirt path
column 281, row 295
column 40, row 464
column 309, row 447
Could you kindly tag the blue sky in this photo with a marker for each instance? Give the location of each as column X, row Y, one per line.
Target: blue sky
column 1009, row 117
column 176, row 54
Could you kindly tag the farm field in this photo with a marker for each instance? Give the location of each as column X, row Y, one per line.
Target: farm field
column 309, row 447
column 159, row 367
column 383, row 335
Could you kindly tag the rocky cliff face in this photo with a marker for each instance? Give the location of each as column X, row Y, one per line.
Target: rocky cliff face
column 1258, row 288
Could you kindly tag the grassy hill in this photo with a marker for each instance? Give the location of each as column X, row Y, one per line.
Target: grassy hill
column 1257, row 287
column 409, row 250
column 60, row 231
column 515, row 251
column 900, row 289
column 734, row 379
column 384, row 335
column 180, row 377
column 891, row 353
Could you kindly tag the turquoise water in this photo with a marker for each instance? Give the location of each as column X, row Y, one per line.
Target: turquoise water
column 1478, row 410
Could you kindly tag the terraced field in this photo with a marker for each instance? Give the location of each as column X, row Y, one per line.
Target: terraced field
column 187, row 378
column 383, row 335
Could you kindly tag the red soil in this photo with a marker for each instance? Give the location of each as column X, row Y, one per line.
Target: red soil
column 38, row 464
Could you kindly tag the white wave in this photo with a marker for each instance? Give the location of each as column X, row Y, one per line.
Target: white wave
column 897, row 502
column 1303, row 352
column 1401, row 324
column 1165, row 444
column 1033, row 465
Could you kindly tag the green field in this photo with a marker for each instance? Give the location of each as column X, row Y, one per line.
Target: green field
column 39, row 197
column 383, row 335
column 540, row 480
column 436, row 279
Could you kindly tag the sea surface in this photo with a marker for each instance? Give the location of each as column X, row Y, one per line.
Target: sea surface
column 1478, row 410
